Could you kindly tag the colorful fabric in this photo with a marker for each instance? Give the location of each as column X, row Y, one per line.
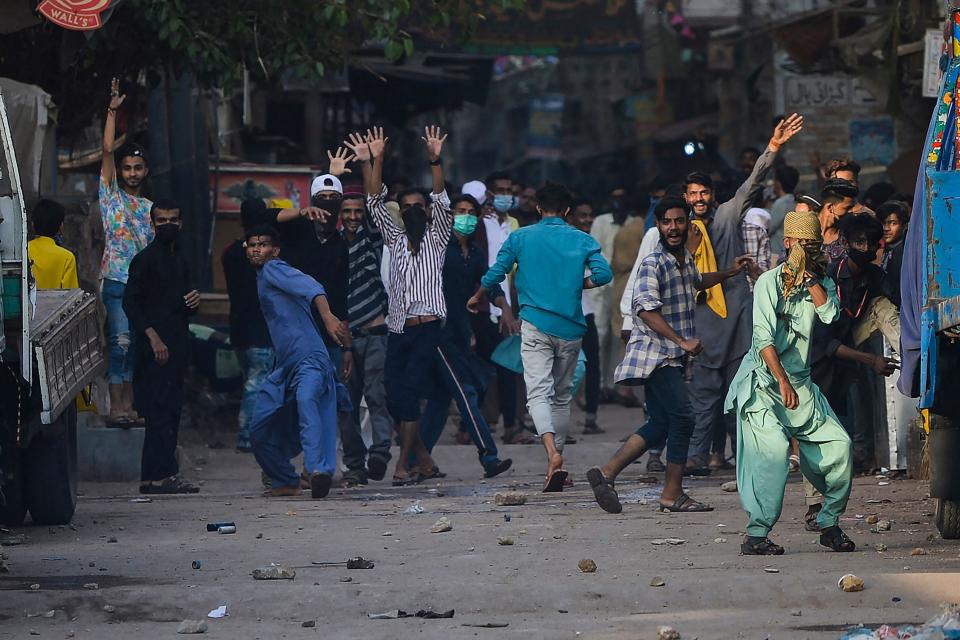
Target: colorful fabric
column 666, row 286
column 706, row 262
column 126, row 229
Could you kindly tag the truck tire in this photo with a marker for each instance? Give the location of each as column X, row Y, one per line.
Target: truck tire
column 15, row 507
column 948, row 519
column 50, row 471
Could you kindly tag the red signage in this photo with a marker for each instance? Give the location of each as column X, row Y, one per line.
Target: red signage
column 79, row 15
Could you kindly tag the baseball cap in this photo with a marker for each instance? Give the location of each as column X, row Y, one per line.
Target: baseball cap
column 326, row 182
column 476, row 189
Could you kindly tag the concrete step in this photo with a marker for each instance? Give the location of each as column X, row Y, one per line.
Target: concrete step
column 107, row 454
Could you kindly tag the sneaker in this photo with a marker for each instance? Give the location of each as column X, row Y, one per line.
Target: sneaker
column 592, row 428
column 376, row 468
column 320, row 485
column 171, row 485
column 283, row 492
column 496, row 467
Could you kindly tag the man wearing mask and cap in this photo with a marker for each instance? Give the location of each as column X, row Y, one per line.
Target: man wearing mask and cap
column 774, row 397
column 157, row 299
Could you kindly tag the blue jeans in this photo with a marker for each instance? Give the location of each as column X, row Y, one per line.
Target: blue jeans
column 296, row 411
column 257, row 363
column 669, row 413
column 119, row 337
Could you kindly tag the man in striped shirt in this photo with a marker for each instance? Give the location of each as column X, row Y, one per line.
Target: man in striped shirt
column 416, row 309
column 367, row 303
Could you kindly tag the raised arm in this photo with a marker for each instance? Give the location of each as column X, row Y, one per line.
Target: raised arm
column 736, row 209
column 108, row 168
column 369, row 151
column 441, row 222
column 709, row 280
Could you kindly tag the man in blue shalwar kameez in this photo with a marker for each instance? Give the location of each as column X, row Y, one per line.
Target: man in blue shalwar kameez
column 296, row 408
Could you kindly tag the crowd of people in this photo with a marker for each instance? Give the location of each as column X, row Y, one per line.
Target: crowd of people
column 744, row 320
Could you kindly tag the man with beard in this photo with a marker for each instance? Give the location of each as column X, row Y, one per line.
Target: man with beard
column 723, row 314
column 661, row 344
column 125, row 215
column 157, row 299
column 303, row 381
column 416, row 302
column 551, row 258
column 774, row 397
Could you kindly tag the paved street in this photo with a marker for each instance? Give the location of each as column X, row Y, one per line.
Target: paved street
column 140, row 555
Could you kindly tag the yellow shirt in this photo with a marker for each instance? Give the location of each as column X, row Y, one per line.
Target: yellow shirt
column 53, row 266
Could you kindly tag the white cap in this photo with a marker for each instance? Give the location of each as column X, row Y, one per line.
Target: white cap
column 476, row 189
column 326, row 182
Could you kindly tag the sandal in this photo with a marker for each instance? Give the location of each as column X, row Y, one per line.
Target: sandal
column 810, row 518
column 685, row 504
column 603, row 491
column 752, row 546
column 569, row 440
column 411, row 479
column 794, row 463
column 554, row 482
column 834, row 538
column 434, row 473
column 518, row 437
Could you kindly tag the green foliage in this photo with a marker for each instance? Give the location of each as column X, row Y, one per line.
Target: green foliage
column 214, row 39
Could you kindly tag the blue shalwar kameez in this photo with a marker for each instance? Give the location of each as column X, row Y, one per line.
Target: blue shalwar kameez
column 296, row 408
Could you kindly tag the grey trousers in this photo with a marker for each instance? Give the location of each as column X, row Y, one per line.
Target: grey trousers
column 369, row 356
column 708, row 388
column 548, row 367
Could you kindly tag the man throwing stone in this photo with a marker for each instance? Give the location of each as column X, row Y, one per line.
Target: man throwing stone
column 774, row 398
column 660, row 347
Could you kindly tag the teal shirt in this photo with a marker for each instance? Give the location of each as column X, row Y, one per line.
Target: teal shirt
column 551, row 259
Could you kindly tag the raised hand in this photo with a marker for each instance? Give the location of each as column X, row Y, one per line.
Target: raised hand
column 376, row 141
column 115, row 98
column 786, row 129
column 358, row 147
column 339, row 160
column 434, row 141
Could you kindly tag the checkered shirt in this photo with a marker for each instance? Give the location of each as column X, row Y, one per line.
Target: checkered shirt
column 661, row 284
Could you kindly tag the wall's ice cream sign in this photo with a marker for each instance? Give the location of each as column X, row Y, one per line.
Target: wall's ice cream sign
column 79, row 15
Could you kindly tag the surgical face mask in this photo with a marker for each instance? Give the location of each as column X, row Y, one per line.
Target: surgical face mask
column 465, row 224
column 168, row 233
column 504, row 203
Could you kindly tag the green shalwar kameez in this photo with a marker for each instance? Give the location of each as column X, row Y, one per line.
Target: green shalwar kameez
column 764, row 425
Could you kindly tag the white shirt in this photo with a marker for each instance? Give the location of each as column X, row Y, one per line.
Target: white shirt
column 497, row 233
column 647, row 246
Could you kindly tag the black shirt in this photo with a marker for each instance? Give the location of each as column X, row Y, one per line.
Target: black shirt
column 326, row 260
column 153, row 298
column 854, row 293
column 892, row 263
column 247, row 326
column 461, row 279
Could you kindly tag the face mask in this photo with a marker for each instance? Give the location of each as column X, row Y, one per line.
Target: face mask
column 167, row 233
column 464, row 224
column 861, row 258
column 415, row 225
column 504, row 203
column 327, row 204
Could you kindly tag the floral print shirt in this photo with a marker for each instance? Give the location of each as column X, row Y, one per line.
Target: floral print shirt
column 126, row 229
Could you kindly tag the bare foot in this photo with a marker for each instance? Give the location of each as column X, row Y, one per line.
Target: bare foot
column 555, row 463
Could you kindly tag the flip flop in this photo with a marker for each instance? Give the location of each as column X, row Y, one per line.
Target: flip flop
column 555, row 480
column 685, row 504
column 413, row 478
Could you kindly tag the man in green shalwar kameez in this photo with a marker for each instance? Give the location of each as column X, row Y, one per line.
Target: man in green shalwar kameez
column 774, row 398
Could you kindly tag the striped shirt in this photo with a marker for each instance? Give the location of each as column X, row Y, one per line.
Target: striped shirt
column 367, row 298
column 416, row 280
column 661, row 285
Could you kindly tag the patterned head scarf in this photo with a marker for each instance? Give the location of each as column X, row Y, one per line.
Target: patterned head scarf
column 805, row 255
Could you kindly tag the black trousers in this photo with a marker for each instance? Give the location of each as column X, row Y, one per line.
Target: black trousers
column 487, row 335
column 591, row 380
column 159, row 397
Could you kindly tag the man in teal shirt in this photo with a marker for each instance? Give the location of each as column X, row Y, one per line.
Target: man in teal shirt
column 555, row 263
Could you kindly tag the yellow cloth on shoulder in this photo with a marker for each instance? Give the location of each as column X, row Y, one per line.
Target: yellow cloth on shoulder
column 706, row 262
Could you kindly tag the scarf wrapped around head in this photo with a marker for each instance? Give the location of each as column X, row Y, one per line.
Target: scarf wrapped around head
column 803, row 226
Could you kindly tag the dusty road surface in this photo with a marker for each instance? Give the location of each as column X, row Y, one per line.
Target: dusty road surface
column 141, row 555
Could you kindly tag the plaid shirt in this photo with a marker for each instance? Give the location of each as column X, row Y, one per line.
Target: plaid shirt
column 756, row 244
column 661, row 284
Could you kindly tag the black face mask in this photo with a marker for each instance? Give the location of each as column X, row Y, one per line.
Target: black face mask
column 168, row 233
column 415, row 223
column 328, row 204
column 861, row 258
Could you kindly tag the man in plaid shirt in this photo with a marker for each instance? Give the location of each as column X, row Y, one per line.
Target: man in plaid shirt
column 662, row 341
